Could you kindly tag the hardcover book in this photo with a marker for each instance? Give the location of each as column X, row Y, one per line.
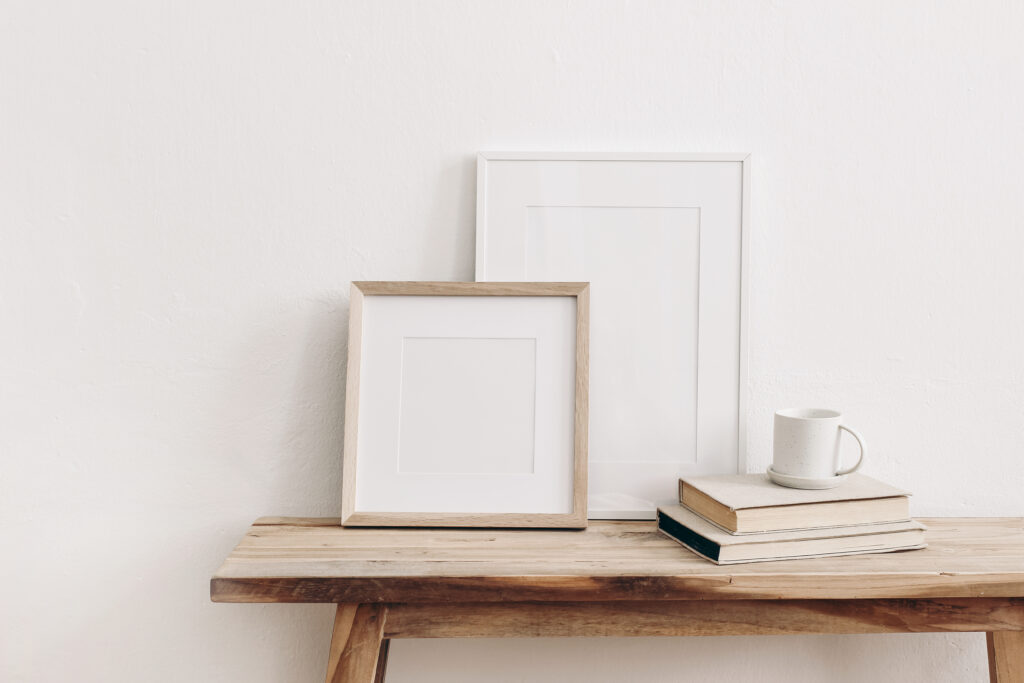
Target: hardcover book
column 721, row 547
column 750, row 503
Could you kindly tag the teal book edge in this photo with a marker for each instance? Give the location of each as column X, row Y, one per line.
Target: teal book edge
column 688, row 537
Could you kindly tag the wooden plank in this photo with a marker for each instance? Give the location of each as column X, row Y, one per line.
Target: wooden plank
column 567, row 589
column 1006, row 656
column 581, row 425
column 396, row 288
column 702, row 618
column 357, row 643
column 458, row 520
column 961, row 547
column 344, row 615
column 353, row 372
column 297, row 560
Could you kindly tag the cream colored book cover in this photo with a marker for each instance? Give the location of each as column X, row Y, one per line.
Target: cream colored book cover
column 743, row 491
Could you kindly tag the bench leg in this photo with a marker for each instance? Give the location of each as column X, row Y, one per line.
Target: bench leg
column 382, row 661
column 359, row 650
column 1006, row 656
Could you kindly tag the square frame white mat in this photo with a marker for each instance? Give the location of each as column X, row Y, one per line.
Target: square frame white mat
column 466, row 405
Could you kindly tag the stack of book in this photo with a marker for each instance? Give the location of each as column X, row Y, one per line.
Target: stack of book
column 746, row 518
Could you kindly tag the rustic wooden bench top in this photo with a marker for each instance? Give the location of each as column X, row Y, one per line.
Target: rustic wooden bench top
column 315, row 560
column 621, row 579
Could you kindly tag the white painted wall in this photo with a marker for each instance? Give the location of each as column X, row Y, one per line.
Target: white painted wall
column 187, row 188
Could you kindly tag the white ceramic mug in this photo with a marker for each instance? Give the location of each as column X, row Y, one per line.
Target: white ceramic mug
column 805, row 452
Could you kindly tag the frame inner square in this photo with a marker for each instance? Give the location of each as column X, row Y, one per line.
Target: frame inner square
column 467, row 405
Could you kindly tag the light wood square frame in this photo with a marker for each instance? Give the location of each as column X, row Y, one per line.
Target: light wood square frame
column 577, row 518
column 596, row 216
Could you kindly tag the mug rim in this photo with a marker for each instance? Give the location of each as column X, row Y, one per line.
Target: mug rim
column 808, row 413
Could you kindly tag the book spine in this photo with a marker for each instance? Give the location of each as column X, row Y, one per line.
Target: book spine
column 688, row 537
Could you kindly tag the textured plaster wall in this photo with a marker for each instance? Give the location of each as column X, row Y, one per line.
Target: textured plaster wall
column 187, row 188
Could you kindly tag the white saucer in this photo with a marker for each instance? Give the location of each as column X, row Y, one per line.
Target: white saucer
column 805, row 482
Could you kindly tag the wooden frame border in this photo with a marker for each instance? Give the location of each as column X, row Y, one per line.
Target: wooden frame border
column 577, row 519
column 744, row 159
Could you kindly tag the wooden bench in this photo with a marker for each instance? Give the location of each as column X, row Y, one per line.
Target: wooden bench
column 621, row 579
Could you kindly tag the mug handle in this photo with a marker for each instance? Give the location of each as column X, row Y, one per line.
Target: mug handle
column 863, row 449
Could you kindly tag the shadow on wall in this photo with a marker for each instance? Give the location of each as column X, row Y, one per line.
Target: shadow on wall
column 449, row 248
column 310, row 442
column 281, row 425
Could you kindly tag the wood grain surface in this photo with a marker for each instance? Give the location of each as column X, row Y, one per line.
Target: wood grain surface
column 357, row 644
column 1006, row 656
column 352, row 376
column 315, row 560
column 409, row 288
column 701, row 618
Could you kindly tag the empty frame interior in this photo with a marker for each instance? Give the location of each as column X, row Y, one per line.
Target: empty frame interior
column 661, row 241
column 466, row 408
column 656, row 304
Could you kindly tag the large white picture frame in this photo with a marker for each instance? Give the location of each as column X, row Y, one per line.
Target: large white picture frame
column 663, row 239
column 466, row 405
